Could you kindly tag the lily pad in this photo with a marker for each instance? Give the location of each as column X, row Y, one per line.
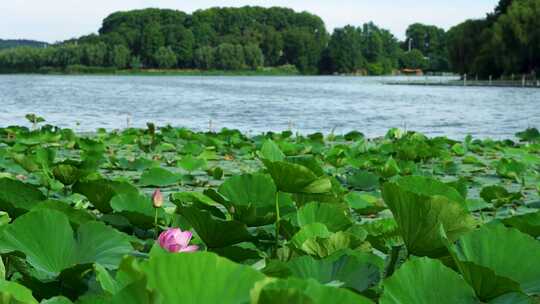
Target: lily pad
column 527, row 223
column 420, row 206
column 17, row 197
column 57, row 248
column 252, row 197
column 189, row 277
column 293, row 290
column 333, row 216
column 159, row 177
column 215, row 232
column 355, row 270
column 507, row 252
column 426, row 281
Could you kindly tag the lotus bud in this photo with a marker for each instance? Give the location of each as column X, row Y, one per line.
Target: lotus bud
column 157, row 199
column 175, row 240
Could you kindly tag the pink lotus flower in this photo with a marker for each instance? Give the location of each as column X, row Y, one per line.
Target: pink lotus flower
column 176, row 240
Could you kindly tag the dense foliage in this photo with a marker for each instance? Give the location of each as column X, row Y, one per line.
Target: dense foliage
column 507, row 42
column 429, row 41
column 368, row 48
column 11, row 43
column 275, row 218
column 217, row 38
column 229, row 39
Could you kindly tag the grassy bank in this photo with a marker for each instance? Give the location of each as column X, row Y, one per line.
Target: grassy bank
column 285, row 70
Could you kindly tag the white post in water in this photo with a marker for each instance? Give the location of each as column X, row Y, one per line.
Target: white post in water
column 523, row 81
column 465, row 80
column 490, row 80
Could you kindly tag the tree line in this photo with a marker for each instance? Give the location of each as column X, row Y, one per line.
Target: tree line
column 12, row 43
column 506, row 41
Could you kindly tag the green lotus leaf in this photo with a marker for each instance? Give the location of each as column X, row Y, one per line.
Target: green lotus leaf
column 159, row 177
column 137, row 208
column 353, row 269
column 57, row 300
column 67, row 174
column 128, row 272
column 506, row 251
column 134, row 293
column 271, row 151
column 363, row 180
column 485, row 282
column 294, row 290
column 420, row 205
column 513, row 298
column 498, row 195
column 426, row 281
column 215, row 232
column 191, row 163
column 527, row 223
column 100, row 192
column 510, row 168
column 308, row 161
column 427, row 186
column 239, row 253
column 76, row 217
column 26, row 162
column 364, row 204
column 295, row 178
column 333, row 216
column 17, row 197
column 199, row 277
column 383, row 234
column 55, row 247
column 310, row 231
column 252, row 198
column 390, row 168
column 325, row 246
column 13, row 293
column 136, row 164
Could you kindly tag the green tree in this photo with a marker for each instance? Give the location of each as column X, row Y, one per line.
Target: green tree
column 165, row 58
column 229, row 57
column 66, row 55
column 430, row 41
column 517, row 33
column 152, row 39
column 253, row 55
column 413, row 60
column 345, row 50
column 94, row 54
column 119, row 56
column 272, row 46
column 464, row 42
column 304, row 49
column 182, row 42
column 135, row 62
column 204, row 58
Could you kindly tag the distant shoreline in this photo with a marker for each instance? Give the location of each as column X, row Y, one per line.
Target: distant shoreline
column 103, row 71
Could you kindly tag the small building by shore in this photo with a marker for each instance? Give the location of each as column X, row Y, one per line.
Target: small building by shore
column 414, row 72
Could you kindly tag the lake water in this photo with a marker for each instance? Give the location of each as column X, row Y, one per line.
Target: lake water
column 258, row 104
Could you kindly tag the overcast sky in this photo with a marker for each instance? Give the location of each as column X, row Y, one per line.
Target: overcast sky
column 55, row 20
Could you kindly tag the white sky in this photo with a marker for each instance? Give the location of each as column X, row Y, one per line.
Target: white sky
column 55, row 20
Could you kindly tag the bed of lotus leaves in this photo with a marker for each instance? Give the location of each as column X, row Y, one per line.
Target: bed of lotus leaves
column 278, row 218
